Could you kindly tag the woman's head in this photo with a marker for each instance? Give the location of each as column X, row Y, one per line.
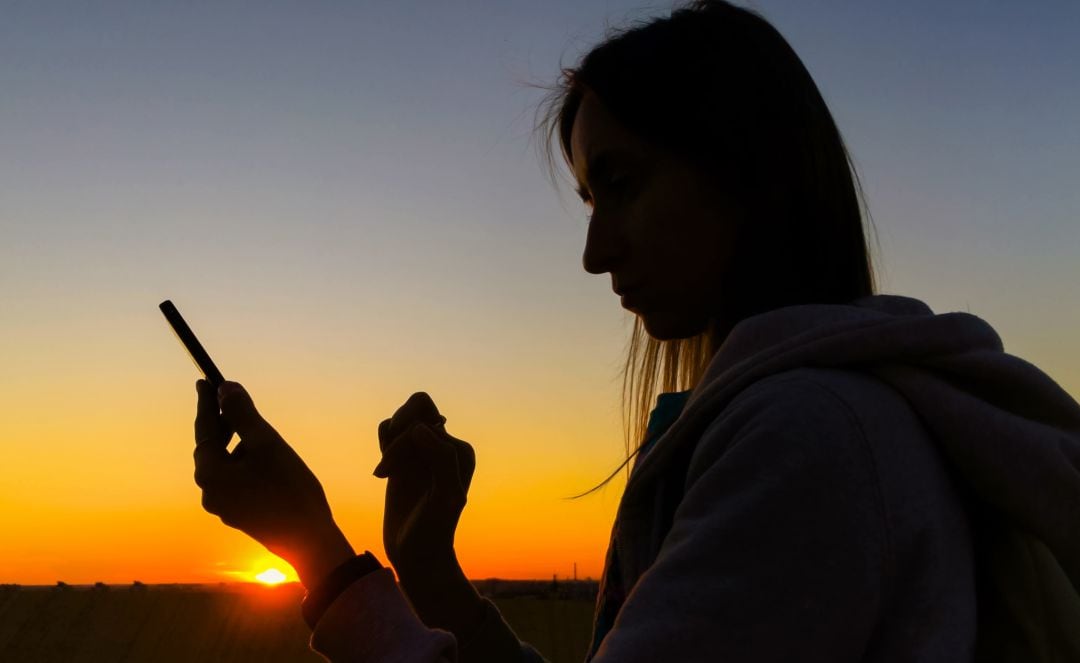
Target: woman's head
column 661, row 228
column 727, row 190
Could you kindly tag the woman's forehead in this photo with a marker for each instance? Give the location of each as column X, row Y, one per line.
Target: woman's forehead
column 595, row 132
column 593, row 126
column 581, row 133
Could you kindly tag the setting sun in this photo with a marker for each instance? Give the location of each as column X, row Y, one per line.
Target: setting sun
column 271, row 577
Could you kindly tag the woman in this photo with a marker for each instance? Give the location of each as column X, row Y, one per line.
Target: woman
column 828, row 474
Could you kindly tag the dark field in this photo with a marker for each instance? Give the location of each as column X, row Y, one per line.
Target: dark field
column 174, row 623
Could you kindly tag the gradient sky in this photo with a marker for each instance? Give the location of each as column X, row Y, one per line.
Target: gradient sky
column 345, row 204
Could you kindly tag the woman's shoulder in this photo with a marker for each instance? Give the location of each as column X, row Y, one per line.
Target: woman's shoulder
column 793, row 413
column 848, row 400
column 818, row 415
column 846, row 426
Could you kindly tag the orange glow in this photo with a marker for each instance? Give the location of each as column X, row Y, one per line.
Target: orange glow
column 105, row 492
column 338, row 245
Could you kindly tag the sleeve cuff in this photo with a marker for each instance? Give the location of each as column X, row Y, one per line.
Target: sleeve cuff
column 319, row 599
column 372, row 620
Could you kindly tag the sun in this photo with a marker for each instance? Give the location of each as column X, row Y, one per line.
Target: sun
column 271, row 577
column 264, row 569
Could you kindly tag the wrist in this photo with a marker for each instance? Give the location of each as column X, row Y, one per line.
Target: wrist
column 442, row 596
column 428, row 568
column 320, row 555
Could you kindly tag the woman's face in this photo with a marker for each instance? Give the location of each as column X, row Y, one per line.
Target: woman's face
column 664, row 233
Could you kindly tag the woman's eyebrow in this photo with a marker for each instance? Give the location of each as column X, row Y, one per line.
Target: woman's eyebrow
column 599, row 165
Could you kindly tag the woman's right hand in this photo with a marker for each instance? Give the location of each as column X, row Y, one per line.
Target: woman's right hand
column 428, row 472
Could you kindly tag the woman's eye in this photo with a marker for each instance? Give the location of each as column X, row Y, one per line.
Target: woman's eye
column 613, row 185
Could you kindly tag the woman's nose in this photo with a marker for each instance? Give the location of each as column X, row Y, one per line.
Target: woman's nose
column 603, row 247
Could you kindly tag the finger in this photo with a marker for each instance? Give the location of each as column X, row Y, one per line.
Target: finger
column 419, row 408
column 239, row 411
column 421, row 450
column 446, row 466
column 387, row 443
column 466, row 457
column 388, row 431
column 209, row 458
column 426, row 461
column 384, row 434
column 208, row 424
column 210, row 442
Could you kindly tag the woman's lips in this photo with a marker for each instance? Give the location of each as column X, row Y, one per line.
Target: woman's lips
column 631, row 299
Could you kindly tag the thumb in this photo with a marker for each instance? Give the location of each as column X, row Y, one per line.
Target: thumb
column 239, row 410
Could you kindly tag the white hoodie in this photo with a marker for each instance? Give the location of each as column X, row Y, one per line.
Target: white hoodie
column 860, row 482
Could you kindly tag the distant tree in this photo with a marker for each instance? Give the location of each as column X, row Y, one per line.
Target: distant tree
column 62, row 586
column 138, row 586
column 100, row 587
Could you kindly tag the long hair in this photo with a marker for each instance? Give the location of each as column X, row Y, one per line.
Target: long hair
column 717, row 85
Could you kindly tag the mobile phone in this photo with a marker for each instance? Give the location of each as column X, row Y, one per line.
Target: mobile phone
column 194, row 348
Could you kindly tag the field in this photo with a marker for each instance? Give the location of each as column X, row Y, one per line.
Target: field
column 227, row 623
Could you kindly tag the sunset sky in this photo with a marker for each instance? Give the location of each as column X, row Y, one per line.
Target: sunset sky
column 344, row 202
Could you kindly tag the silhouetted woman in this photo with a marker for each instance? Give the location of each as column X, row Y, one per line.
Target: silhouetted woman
column 828, row 474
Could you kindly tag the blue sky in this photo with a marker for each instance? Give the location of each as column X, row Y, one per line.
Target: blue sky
column 344, row 201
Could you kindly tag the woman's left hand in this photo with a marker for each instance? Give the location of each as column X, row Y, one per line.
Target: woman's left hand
column 428, row 472
column 262, row 487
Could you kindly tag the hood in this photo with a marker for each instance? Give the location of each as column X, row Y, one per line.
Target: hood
column 1010, row 432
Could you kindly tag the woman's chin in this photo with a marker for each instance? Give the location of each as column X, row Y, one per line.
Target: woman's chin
column 664, row 326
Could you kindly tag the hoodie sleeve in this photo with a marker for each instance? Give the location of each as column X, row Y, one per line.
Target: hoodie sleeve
column 373, row 622
column 777, row 551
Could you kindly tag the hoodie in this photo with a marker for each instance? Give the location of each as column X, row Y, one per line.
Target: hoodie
column 848, row 482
